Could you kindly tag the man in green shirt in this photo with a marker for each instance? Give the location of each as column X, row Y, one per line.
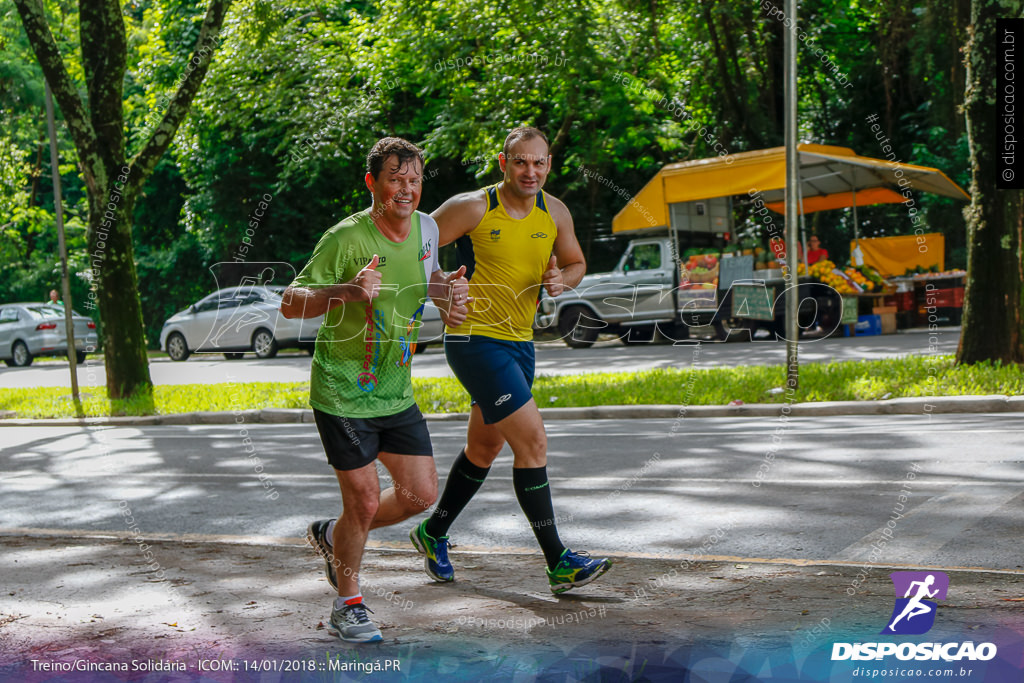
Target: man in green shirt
column 369, row 277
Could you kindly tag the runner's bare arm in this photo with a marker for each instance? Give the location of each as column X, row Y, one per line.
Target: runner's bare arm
column 460, row 214
column 309, row 302
column 567, row 249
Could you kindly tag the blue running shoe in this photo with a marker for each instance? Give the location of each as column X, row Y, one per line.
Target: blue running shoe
column 436, row 550
column 574, row 570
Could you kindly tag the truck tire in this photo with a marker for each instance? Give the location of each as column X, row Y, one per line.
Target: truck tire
column 632, row 336
column 573, row 334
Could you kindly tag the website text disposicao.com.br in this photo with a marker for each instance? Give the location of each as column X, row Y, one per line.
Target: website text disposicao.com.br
column 912, row 673
column 951, row 654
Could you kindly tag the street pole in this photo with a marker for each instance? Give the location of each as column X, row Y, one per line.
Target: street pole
column 792, row 212
column 58, row 207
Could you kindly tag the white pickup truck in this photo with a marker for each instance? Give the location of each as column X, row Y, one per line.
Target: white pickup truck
column 646, row 293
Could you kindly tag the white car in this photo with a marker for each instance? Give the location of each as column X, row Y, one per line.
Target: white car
column 28, row 330
column 234, row 320
column 248, row 318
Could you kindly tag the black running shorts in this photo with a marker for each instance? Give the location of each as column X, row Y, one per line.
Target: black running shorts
column 354, row 442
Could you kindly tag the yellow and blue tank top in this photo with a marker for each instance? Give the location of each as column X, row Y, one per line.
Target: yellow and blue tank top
column 505, row 259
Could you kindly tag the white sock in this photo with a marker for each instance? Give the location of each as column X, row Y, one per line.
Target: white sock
column 340, row 601
column 329, row 534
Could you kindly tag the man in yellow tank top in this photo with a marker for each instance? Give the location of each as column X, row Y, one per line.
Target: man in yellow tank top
column 513, row 239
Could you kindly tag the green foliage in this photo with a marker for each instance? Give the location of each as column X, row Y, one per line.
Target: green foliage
column 297, row 93
column 838, row 381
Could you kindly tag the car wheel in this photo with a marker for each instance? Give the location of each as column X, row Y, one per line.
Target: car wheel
column 637, row 335
column 420, row 347
column 263, row 344
column 79, row 357
column 20, row 357
column 573, row 334
column 233, row 355
column 177, row 349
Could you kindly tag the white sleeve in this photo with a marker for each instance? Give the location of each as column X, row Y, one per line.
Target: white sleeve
column 430, row 237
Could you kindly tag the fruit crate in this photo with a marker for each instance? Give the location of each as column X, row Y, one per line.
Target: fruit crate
column 944, row 298
column 709, row 275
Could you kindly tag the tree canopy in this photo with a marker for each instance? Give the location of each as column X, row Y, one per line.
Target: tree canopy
column 298, row 92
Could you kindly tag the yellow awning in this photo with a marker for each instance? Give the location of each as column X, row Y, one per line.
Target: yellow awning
column 893, row 256
column 827, row 172
column 844, row 200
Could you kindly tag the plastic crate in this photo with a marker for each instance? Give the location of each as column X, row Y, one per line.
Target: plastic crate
column 945, row 298
column 868, row 325
column 904, row 301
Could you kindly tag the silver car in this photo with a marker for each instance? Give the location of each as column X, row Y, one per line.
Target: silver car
column 248, row 318
column 432, row 329
column 28, row 330
column 235, row 320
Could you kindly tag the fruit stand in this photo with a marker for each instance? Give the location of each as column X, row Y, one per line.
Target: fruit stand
column 863, row 290
column 681, row 198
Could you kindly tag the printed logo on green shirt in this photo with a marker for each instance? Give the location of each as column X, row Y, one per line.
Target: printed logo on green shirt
column 425, row 251
column 361, row 261
column 367, row 380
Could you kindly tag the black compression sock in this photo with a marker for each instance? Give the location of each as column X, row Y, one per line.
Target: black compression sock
column 464, row 480
column 534, row 494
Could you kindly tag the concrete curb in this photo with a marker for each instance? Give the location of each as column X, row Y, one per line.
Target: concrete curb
column 997, row 403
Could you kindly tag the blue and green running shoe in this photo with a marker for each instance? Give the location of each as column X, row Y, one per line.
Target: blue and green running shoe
column 574, row 570
column 436, row 550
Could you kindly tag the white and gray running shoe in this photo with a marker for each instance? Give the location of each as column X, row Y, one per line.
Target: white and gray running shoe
column 353, row 625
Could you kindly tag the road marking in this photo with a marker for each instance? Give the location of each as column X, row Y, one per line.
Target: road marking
column 405, row 548
column 928, row 527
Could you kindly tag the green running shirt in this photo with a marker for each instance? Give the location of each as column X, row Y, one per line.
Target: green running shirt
column 362, row 364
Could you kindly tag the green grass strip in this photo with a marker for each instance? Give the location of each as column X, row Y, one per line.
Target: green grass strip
column 836, row 381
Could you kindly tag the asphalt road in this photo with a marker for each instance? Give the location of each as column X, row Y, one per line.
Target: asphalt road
column 552, row 358
column 830, row 492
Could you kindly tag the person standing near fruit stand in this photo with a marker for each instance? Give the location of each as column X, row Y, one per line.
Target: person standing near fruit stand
column 777, row 246
column 815, row 252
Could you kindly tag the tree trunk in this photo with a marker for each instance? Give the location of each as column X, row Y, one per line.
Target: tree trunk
column 112, row 181
column 112, row 263
column 993, row 303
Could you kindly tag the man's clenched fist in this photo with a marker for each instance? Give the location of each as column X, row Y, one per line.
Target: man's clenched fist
column 552, row 279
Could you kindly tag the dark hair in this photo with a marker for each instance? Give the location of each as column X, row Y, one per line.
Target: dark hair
column 522, row 133
column 386, row 147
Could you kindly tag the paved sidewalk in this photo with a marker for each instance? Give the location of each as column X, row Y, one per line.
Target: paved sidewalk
column 245, row 605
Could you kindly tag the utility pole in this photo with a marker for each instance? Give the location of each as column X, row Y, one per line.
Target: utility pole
column 58, row 206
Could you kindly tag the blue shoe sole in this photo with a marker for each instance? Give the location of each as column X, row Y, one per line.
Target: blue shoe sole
column 375, row 638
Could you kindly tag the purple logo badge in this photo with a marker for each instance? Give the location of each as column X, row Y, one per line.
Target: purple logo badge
column 914, row 612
